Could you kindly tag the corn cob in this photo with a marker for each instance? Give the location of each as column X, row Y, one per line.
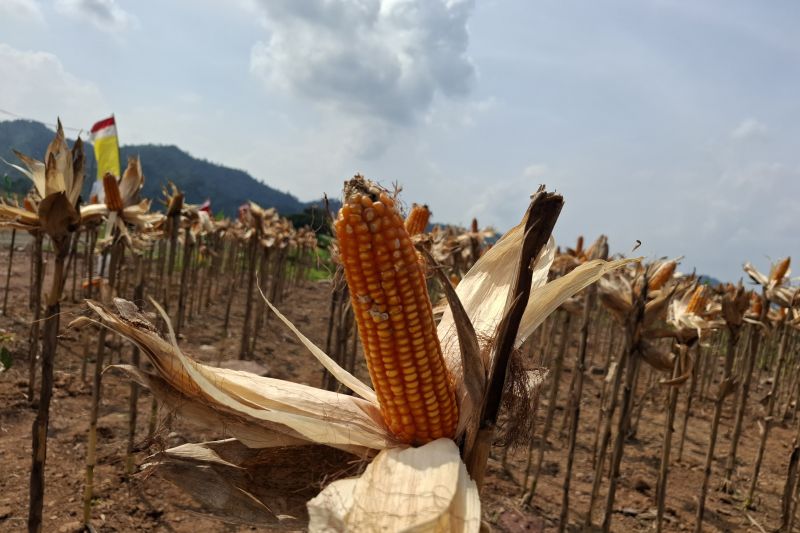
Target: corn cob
column 111, row 189
column 662, row 274
column 755, row 304
column 394, row 316
column 417, row 219
column 780, row 270
column 29, row 205
column 697, row 303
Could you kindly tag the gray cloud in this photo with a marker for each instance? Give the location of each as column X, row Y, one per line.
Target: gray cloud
column 749, row 128
column 106, row 15
column 44, row 89
column 376, row 59
column 21, row 10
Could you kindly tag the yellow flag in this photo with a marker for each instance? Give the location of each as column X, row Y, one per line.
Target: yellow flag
column 106, row 147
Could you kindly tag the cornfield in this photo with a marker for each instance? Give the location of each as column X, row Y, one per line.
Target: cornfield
column 187, row 372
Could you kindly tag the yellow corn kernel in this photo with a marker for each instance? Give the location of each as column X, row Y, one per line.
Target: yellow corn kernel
column 417, row 219
column 662, row 274
column 111, row 188
column 780, row 270
column 697, row 303
column 395, row 319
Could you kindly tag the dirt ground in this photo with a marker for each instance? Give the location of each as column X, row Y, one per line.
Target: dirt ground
column 151, row 504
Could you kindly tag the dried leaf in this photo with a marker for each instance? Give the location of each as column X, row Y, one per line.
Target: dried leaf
column 57, row 216
column 299, row 410
column 472, row 386
column 344, row 377
column 547, row 298
column 262, row 487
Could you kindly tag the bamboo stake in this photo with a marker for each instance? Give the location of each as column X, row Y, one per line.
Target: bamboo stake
column 555, row 385
column 638, row 408
column 601, row 406
column 162, row 264
column 544, row 362
column 335, row 295
column 633, row 363
column 741, row 403
column 33, row 290
column 619, row 441
column 174, row 228
column 33, row 342
column 768, row 420
column 580, row 370
column 91, row 446
column 669, row 429
column 605, row 436
column 261, row 306
column 248, row 310
column 791, row 489
column 73, row 257
column 725, row 387
column 133, row 401
column 231, row 288
column 187, row 265
column 90, row 255
column 8, row 272
column 194, row 267
column 788, row 489
column 690, row 394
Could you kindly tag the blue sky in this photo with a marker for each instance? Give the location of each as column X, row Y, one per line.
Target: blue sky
column 675, row 123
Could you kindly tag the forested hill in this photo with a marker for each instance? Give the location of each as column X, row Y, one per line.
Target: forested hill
column 227, row 188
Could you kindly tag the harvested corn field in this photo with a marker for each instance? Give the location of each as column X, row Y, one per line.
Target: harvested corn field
column 474, row 266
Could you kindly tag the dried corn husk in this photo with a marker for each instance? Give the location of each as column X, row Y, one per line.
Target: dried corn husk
column 308, row 413
column 429, row 490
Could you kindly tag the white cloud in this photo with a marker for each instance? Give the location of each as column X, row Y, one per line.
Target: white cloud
column 749, row 128
column 106, row 15
column 43, row 89
column 535, row 171
column 28, row 10
column 384, row 60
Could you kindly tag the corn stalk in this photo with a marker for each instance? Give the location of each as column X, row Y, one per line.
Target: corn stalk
column 42, row 420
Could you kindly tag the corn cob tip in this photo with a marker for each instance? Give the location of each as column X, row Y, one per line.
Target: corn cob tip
column 417, row 219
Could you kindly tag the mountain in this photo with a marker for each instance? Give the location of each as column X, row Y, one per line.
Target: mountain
column 227, row 188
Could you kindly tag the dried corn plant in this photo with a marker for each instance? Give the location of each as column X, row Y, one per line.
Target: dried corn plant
column 57, row 184
column 437, row 392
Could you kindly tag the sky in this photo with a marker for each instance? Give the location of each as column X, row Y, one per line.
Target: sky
column 675, row 123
